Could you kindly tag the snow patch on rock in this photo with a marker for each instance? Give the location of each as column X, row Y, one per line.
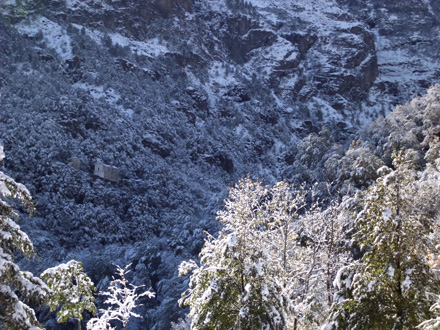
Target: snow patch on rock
column 54, row 35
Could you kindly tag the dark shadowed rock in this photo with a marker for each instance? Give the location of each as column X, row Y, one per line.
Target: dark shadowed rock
column 303, row 42
column 221, row 160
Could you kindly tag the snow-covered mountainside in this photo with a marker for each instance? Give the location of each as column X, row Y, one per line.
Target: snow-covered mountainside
column 185, row 97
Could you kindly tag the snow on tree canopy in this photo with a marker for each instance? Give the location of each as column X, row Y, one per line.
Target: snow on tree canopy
column 122, row 299
column 2, row 153
column 394, row 228
column 72, row 289
column 14, row 313
column 256, row 274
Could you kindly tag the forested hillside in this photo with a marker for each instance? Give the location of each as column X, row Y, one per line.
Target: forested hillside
column 181, row 99
column 365, row 256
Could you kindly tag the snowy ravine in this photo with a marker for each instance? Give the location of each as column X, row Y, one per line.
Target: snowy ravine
column 185, row 97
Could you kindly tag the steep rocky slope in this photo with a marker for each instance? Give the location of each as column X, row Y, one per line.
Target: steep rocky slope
column 185, row 97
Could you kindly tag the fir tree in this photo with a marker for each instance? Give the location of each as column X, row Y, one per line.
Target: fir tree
column 392, row 285
column 16, row 286
column 72, row 289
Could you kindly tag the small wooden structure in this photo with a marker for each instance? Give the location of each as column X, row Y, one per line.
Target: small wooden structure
column 76, row 163
column 106, row 172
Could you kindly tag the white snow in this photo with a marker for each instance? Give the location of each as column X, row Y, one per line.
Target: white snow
column 397, row 64
column 264, row 292
column 54, row 35
column 406, row 284
column 151, row 47
column 281, row 50
column 259, row 269
column 390, row 271
column 316, row 12
column 339, row 283
column 95, row 35
column 220, row 76
column 90, row 5
column 5, row 236
column 278, row 146
column 76, row 4
column 278, row 102
column 4, row 191
column 21, row 190
column 2, row 153
column 98, row 92
column 329, row 111
column 386, row 214
column 242, row 132
column 232, row 240
column 128, row 112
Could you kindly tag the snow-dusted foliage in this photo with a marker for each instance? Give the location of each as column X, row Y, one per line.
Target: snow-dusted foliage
column 185, row 97
column 433, row 323
column 181, row 324
column 122, row 298
column 317, row 151
column 72, row 289
column 16, row 285
column 391, row 287
column 324, row 251
column 307, row 243
column 413, row 125
column 270, row 266
column 239, row 284
column 2, row 153
column 358, row 166
column 102, row 322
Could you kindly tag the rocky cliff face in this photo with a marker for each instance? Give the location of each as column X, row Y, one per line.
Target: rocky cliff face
column 403, row 31
column 185, row 97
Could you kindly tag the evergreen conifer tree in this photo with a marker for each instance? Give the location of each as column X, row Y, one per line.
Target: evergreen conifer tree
column 390, row 288
column 72, row 289
column 16, row 286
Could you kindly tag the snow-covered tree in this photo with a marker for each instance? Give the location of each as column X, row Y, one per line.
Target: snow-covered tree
column 304, row 242
column 359, row 165
column 102, row 322
column 433, row 323
column 324, row 250
column 122, row 298
column 317, row 151
column 72, row 289
column 272, row 265
column 16, row 286
column 283, row 210
column 238, row 284
column 391, row 288
column 181, row 324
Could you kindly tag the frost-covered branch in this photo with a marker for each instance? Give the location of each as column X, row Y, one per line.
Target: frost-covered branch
column 122, row 298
